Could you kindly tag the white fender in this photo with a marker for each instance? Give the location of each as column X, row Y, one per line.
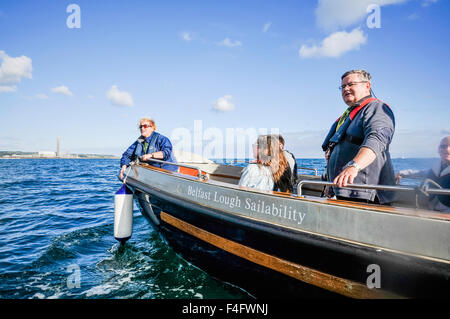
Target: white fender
column 123, row 214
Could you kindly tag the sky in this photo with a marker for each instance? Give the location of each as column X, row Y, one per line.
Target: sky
column 87, row 71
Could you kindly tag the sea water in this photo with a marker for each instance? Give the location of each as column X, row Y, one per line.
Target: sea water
column 56, row 226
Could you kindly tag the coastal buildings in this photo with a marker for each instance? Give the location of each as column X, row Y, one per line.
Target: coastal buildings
column 50, row 154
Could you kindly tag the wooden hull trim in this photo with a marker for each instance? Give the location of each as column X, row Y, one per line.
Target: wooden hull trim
column 310, row 276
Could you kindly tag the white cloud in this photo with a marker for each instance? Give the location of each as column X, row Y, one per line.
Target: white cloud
column 12, row 70
column 223, row 104
column 8, row 88
column 332, row 14
column 335, row 44
column 62, row 90
column 426, row 3
column 119, row 98
column 91, row 97
column 231, row 44
column 267, row 26
column 186, row 36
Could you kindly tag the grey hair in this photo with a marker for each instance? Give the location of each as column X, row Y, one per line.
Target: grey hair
column 363, row 75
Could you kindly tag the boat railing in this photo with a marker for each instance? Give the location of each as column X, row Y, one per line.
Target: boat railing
column 307, row 169
column 424, row 188
column 200, row 176
column 355, row 186
column 433, row 191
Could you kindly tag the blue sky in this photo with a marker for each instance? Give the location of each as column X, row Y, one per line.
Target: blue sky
column 230, row 64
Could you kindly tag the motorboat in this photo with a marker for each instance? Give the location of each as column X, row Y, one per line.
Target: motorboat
column 303, row 245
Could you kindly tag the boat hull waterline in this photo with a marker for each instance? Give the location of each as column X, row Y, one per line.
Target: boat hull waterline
column 272, row 244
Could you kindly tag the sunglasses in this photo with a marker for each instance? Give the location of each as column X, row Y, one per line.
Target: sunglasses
column 144, row 126
column 342, row 87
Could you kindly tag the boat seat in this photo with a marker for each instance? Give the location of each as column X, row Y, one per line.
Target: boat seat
column 408, row 199
column 217, row 172
column 310, row 189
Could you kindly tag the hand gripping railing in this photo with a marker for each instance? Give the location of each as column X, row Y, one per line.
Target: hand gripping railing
column 200, row 176
column 357, row 186
column 435, row 191
column 423, row 189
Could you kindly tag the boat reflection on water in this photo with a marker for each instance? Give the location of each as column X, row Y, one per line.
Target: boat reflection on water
column 281, row 245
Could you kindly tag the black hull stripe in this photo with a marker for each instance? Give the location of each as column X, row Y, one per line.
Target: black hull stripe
column 323, row 280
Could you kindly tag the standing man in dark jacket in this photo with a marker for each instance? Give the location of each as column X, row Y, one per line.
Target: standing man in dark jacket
column 357, row 145
column 149, row 145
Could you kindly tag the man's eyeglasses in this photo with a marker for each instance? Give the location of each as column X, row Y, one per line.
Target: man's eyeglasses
column 144, row 126
column 342, row 87
column 443, row 147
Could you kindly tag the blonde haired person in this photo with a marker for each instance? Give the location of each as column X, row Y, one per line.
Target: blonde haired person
column 150, row 144
column 269, row 168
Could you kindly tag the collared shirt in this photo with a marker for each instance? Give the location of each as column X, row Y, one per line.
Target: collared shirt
column 349, row 110
column 344, row 117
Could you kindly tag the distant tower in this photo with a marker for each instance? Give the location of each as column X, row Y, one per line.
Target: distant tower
column 58, row 149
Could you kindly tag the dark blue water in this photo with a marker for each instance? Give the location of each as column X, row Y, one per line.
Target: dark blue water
column 56, row 226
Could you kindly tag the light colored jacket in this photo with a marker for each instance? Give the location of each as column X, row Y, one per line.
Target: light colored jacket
column 257, row 176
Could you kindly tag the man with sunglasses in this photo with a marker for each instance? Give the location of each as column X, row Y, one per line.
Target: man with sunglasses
column 357, row 145
column 149, row 145
column 439, row 173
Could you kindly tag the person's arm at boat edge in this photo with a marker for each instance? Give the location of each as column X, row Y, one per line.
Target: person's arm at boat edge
column 411, row 173
column 379, row 127
column 363, row 159
column 126, row 158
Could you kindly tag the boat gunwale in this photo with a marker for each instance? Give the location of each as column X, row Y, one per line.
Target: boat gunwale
column 410, row 212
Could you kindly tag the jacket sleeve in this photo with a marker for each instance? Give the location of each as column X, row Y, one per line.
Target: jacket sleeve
column 246, row 176
column 164, row 145
column 379, row 127
column 128, row 154
column 329, row 136
column 414, row 173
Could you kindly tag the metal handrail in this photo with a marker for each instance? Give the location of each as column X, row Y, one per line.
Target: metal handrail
column 442, row 191
column 357, row 186
column 437, row 191
column 308, row 169
column 200, row 176
column 425, row 189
